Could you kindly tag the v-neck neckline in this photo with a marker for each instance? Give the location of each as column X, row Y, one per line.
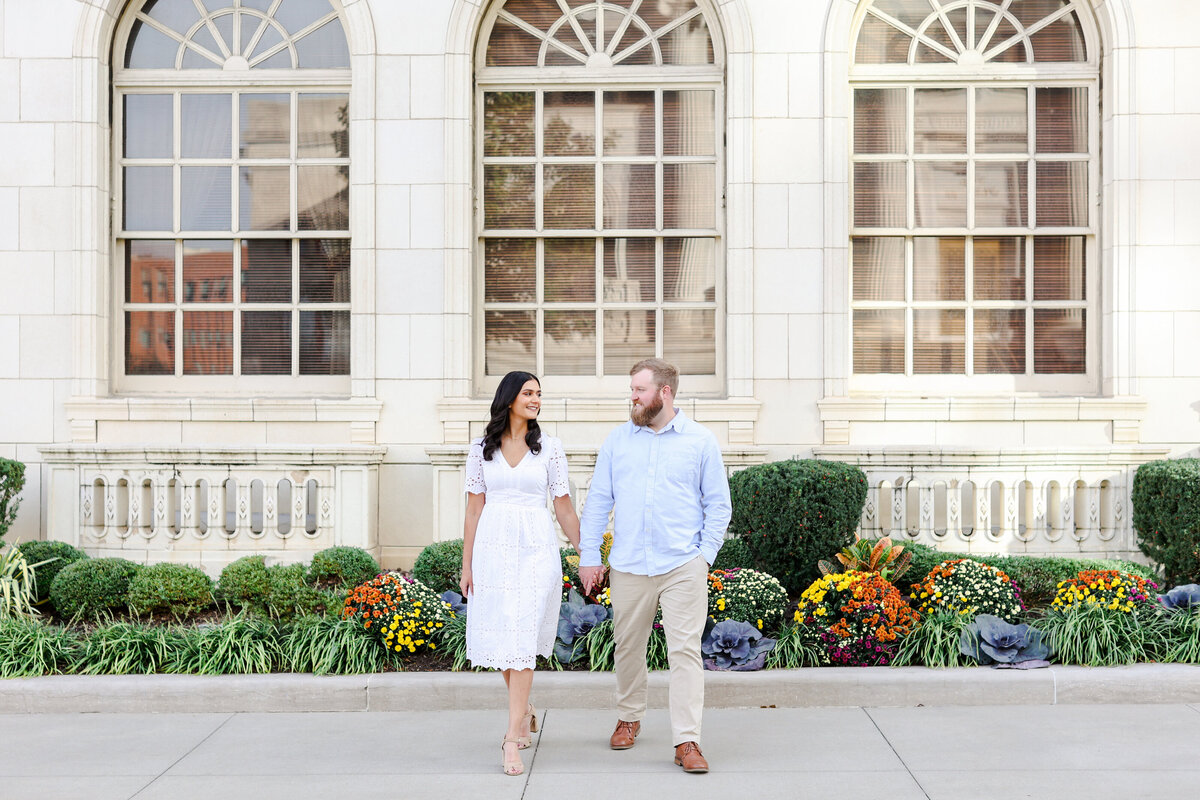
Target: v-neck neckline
column 519, row 460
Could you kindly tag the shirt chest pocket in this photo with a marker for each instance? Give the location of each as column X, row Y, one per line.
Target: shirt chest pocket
column 681, row 467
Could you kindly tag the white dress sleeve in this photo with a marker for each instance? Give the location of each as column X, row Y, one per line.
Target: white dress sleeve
column 475, row 483
column 557, row 469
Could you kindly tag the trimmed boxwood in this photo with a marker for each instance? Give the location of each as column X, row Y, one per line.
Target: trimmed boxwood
column 734, row 554
column 439, row 566
column 92, row 586
column 1166, row 514
column 12, row 481
column 57, row 555
column 289, row 593
column 792, row 513
column 245, row 583
column 343, row 566
column 177, row 588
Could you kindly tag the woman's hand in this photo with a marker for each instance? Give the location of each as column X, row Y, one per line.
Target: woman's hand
column 465, row 583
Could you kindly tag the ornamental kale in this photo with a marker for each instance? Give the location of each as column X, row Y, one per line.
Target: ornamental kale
column 737, row 646
column 458, row 606
column 991, row 640
column 1182, row 598
column 575, row 620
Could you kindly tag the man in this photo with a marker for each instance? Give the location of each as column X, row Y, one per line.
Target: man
column 664, row 475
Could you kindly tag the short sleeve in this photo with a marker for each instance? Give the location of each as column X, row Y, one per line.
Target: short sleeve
column 475, row 483
column 557, row 469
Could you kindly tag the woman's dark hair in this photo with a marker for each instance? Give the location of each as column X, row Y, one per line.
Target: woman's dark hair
column 506, row 393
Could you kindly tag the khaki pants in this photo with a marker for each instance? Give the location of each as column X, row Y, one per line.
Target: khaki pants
column 683, row 595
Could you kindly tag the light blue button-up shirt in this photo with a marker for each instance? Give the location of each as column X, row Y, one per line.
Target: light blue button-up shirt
column 670, row 494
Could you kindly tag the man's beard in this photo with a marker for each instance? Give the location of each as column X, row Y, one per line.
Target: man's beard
column 642, row 415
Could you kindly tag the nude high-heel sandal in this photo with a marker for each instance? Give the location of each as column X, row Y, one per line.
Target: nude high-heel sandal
column 526, row 741
column 511, row 768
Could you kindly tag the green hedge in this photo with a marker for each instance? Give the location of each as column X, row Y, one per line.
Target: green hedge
column 57, row 556
column 175, row 588
column 1166, row 514
column 12, row 481
column 343, row 566
column 439, row 566
column 93, row 586
column 792, row 513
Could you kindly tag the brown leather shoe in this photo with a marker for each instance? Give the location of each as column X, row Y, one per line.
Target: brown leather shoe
column 625, row 734
column 688, row 756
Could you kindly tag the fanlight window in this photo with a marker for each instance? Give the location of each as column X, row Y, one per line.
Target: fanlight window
column 972, row 241
column 600, row 176
column 233, row 225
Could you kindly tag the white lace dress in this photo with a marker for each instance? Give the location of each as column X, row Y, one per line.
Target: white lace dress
column 512, row 613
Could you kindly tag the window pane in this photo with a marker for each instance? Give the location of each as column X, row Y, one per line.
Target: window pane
column 879, row 341
column 629, row 123
column 1001, row 121
column 324, row 126
column 207, row 342
column 878, row 267
column 880, row 43
column 267, row 271
column 628, row 338
column 510, row 46
column 1062, row 120
column 1000, row 341
column 509, row 271
column 688, row 43
column 689, row 270
column 149, row 49
column 324, row 342
column 265, row 126
column 205, row 126
column 1059, row 341
column 628, row 270
column 266, row 342
column 324, row 198
column 689, row 120
column 1001, row 194
column 570, row 343
column 689, row 196
column 999, row 268
column 509, row 341
column 879, row 121
column 911, row 12
column 148, row 202
column 569, row 124
column 880, row 195
column 1061, row 40
column 629, row 195
column 264, row 195
column 508, row 124
column 324, row 48
column 204, row 199
column 149, row 126
column 1059, row 268
column 207, row 272
column 571, row 274
column 941, row 194
column 149, row 271
column 508, row 196
column 939, row 268
column 1062, row 188
column 939, row 343
column 324, row 271
column 149, row 342
column 569, row 196
column 940, row 121
column 689, row 340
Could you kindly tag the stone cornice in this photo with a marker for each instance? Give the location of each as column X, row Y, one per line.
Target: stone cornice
column 102, row 455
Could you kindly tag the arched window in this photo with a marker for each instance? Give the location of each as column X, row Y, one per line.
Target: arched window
column 231, row 219
column 599, row 189
column 975, row 184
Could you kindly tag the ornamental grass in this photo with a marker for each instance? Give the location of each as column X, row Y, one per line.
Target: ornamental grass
column 969, row 588
column 861, row 617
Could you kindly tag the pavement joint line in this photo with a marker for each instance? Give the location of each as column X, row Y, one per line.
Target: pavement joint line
column 191, row 750
column 899, row 758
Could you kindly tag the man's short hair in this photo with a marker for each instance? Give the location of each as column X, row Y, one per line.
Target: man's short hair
column 664, row 372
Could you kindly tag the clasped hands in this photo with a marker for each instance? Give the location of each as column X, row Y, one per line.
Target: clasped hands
column 590, row 576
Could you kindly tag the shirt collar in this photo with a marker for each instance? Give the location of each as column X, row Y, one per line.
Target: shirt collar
column 677, row 422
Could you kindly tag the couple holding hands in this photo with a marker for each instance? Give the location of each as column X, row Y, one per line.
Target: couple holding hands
column 662, row 476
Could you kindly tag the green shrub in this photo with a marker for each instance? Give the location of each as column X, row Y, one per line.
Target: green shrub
column 734, row 554
column 128, row 648
column 439, row 566
column 92, row 586
column 56, row 556
column 343, row 566
column 288, row 592
column 177, row 588
column 1166, row 514
column 792, row 513
column 245, row 583
column 12, row 481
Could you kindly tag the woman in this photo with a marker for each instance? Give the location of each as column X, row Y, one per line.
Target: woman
column 512, row 574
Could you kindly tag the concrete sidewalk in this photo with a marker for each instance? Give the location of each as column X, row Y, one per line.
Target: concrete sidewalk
column 942, row 753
